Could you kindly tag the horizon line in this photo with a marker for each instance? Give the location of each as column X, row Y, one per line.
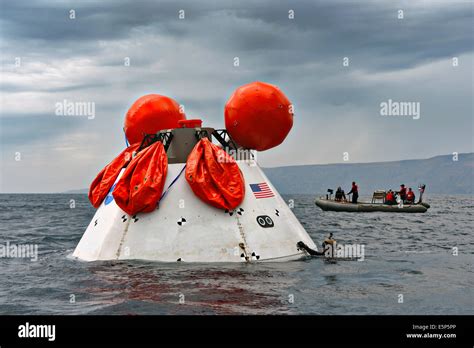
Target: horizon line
column 287, row 166
column 353, row 163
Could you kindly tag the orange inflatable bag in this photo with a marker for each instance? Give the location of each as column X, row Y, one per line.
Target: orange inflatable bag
column 150, row 114
column 102, row 183
column 258, row 116
column 141, row 185
column 214, row 176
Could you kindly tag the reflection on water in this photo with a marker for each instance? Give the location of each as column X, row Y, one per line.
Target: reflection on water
column 404, row 254
column 195, row 288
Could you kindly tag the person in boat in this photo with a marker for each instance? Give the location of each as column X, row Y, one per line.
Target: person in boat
column 403, row 192
column 355, row 192
column 340, row 195
column 410, row 196
column 390, row 198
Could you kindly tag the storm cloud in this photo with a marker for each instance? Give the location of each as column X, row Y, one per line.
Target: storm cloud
column 47, row 57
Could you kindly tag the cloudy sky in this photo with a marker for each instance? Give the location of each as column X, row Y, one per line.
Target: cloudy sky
column 47, row 57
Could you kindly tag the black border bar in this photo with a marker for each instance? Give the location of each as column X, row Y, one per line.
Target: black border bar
column 241, row 330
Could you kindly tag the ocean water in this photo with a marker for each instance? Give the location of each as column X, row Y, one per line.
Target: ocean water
column 409, row 255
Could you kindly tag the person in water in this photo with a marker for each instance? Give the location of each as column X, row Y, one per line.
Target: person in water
column 328, row 243
column 355, row 192
column 390, row 198
column 403, row 192
column 410, row 196
column 340, row 195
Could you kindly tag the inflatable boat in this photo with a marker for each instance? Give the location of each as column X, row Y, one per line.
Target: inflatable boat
column 365, row 207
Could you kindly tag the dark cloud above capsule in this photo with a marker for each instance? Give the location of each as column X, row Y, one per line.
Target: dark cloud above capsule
column 369, row 32
column 192, row 60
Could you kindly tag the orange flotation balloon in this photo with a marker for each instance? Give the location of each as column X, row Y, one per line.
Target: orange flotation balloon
column 141, row 185
column 150, row 114
column 258, row 116
column 107, row 176
column 214, row 176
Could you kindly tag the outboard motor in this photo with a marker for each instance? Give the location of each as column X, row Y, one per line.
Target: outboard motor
column 421, row 188
column 329, row 196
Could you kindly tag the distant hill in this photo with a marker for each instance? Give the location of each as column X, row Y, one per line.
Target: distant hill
column 440, row 174
column 84, row 190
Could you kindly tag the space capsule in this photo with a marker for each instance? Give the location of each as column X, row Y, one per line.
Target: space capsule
column 177, row 195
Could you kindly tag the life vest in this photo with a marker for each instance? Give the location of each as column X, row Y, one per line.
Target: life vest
column 410, row 196
column 389, row 197
column 403, row 192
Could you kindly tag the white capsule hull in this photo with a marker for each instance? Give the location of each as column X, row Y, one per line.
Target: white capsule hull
column 186, row 229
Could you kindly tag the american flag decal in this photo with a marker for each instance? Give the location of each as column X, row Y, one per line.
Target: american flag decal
column 261, row 190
